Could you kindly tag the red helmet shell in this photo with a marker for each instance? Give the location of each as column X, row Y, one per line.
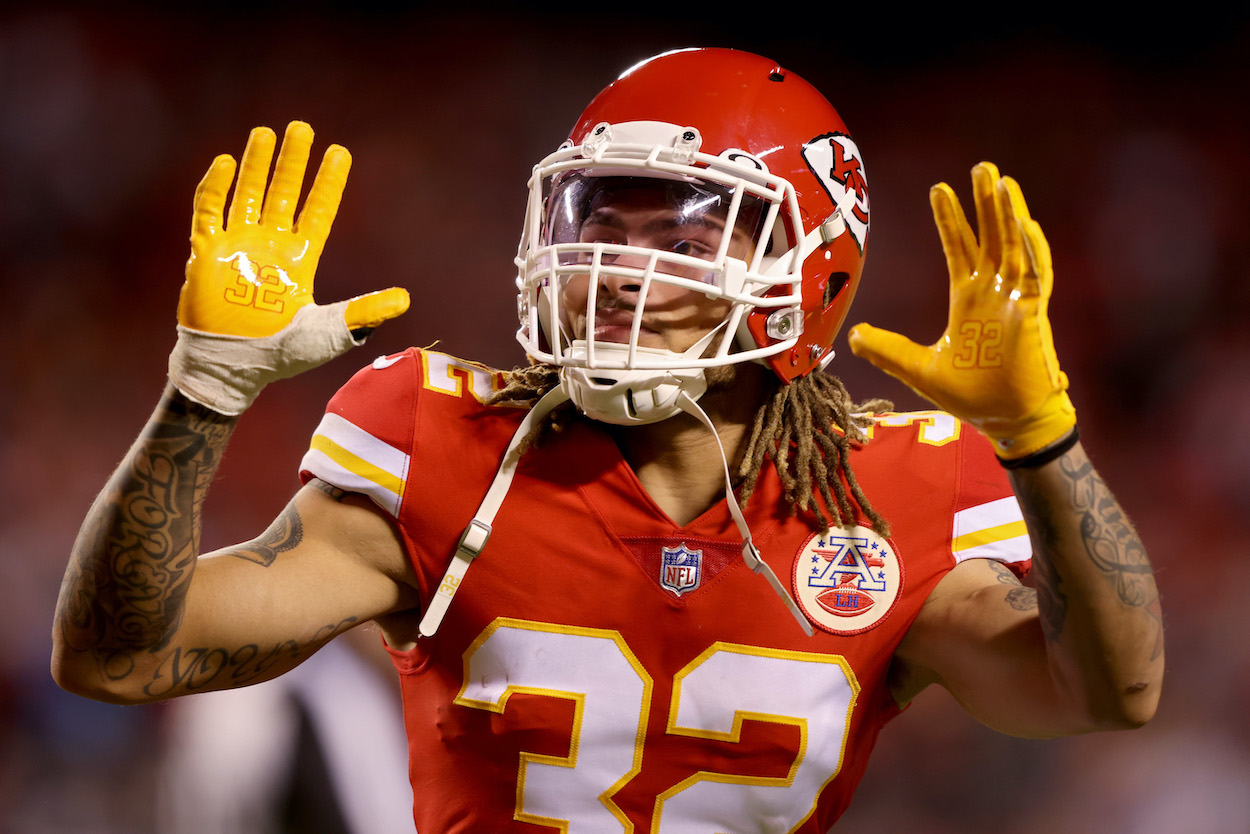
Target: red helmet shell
column 738, row 100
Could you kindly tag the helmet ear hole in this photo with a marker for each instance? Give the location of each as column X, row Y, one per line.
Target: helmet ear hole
column 836, row 282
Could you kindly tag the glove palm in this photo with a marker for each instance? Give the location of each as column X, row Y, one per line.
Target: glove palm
column 995, row 365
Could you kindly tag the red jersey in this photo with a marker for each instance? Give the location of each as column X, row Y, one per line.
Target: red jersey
column 602, row 668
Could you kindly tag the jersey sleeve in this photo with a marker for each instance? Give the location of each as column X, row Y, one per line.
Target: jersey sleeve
column 363, row 443
column 988, row 523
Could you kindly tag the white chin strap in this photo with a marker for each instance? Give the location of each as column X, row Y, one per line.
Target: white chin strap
column 475, row 536
column 477, row 533
column 750, row 553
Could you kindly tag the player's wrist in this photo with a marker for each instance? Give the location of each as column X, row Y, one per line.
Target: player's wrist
column 176, row 401
column 1052, row 452
column 212, row 370
column 227, row 373
column 1054, row 424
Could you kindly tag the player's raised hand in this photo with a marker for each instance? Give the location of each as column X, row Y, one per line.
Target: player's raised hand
column 246, row 312
column 995, row 366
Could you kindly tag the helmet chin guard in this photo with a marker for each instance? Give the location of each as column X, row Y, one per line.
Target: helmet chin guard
column 627, row 397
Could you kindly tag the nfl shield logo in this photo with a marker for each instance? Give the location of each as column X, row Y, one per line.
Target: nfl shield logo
column 680, row 568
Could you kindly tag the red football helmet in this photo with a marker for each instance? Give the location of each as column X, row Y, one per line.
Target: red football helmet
column 727, row 142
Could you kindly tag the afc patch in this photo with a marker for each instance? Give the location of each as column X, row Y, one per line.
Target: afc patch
column 681, row 569
column 847, row 580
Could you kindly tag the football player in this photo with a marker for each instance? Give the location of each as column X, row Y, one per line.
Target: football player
column 667, row 576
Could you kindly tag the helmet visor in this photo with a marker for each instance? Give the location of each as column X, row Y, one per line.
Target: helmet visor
column 675, row 228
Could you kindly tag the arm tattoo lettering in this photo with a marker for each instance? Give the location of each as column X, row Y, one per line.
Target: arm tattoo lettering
column 131, row 565
column 1109, row 537
column 1112, row 543
column 198, row 669
column 1106, row 535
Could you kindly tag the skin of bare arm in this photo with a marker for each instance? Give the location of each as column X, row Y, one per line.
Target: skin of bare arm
column 1081, row 650
column 143, row 617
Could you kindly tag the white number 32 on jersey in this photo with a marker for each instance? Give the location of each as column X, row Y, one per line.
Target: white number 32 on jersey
column 712, row 696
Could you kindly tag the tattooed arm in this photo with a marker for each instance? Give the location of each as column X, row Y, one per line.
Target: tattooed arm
column 1081, row 651
column 142, row 616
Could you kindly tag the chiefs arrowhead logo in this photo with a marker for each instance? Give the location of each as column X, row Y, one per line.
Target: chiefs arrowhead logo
column 835, row 160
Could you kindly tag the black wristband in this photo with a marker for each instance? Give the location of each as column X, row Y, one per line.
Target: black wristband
column 1046, row 455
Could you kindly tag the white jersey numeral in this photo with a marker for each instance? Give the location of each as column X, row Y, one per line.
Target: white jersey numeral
column 600, row 675
column 712, row 696
column 937, row 428
column 728, row 684
column 449, row 375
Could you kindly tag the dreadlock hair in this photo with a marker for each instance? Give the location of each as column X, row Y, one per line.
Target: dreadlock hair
column 808, row 427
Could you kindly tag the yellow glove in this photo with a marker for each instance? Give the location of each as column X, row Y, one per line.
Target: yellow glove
column 995, row 366
column 246, row 313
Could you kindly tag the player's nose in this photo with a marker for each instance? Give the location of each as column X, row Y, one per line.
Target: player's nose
column 619, row 285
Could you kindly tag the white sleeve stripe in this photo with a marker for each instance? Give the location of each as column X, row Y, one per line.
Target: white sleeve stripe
column 323, row 467
column 991, row 514
column 993, row 530
column 363, row 445
column 989, row 535
column 345, row 455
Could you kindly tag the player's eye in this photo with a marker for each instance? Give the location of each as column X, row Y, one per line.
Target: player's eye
column 600, row 233
column 693, row 247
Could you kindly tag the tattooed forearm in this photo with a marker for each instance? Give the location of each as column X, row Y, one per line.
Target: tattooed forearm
column 1112, row 544
column 1040, row 518
column 131, row 565
column 1110, row 540
column 1071, row 513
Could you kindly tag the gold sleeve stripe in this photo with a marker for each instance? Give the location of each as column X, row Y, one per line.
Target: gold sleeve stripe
column 989, row 536
column 350, row 458
column 994, row 530
column 361, row 467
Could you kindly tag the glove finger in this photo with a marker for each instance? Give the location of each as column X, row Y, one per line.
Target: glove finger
column 253, row 171
column 958, row 242
column 984, row 178
column 209, row 205
column 370, row 310
column 288, row 177
column 1038, row 263
column 322, row 204
column 1011, row 212
column 893, row 353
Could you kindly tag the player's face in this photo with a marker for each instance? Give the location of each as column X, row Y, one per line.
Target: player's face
column 674, row 317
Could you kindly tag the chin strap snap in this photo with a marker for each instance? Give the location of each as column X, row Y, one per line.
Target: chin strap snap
column 750, row 553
